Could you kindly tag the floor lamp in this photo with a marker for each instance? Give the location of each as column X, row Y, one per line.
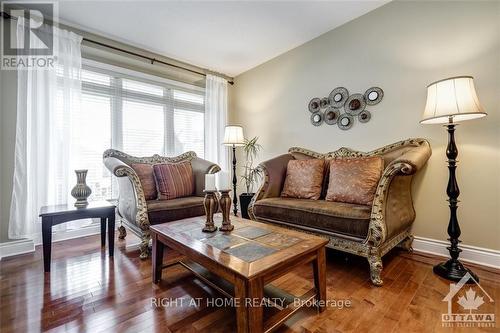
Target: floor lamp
column 233, row 137
column 450, row 101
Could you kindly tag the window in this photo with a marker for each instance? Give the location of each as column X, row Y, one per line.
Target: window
column 143, row 128
column 139, row 116
column 90, row 137
column 189, row 131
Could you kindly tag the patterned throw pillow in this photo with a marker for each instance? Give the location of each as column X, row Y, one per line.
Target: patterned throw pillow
column 354, row 180
column 303, row 179
column 146, row 175
column 174, row 180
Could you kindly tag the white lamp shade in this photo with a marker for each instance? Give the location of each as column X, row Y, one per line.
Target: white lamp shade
column 233, row 135
column 452, row 100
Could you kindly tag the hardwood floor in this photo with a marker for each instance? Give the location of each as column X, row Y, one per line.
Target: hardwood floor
column 87, row 291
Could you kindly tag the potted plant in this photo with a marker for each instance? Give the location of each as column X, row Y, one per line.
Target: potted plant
column 251, row 174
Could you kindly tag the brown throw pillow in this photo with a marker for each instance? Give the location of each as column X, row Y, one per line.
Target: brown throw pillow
column 174, row 180
column 146, row 175
column 303, row 179
column 354, row 180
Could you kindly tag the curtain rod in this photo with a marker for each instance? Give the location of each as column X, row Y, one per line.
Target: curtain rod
column 151, row 60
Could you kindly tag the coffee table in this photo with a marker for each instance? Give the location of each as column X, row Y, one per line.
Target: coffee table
column 241, row 264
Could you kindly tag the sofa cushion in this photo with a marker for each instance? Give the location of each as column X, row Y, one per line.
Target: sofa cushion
column 354, row 180
column 337, row 217
column 160, row 211
column 146, row 175
column 303, row 179
column 174, row 180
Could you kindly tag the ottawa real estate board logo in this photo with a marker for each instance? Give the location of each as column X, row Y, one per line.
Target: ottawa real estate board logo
column 469, row 305
column 27, row 41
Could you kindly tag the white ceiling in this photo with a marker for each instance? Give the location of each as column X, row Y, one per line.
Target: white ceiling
column 229, row 37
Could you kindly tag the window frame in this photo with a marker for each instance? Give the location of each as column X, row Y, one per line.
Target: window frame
column 116, row 92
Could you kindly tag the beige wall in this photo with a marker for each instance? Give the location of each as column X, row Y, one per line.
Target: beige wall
column 400, row 47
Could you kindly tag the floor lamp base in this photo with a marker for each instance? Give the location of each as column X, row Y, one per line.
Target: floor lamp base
column 454, row 270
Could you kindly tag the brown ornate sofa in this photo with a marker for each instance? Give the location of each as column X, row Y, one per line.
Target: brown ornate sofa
column 368, row 231
column 136, row 212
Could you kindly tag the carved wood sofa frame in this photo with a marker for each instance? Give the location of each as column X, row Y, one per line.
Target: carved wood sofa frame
column 132, row 206
column 402, row 160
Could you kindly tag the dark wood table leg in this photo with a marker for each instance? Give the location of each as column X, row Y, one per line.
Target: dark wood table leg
column 157, row 258
column 103, row 232
column 319, row 268
column 111, row 234
column 240, row 294
column 47, row 242
column 254, row 308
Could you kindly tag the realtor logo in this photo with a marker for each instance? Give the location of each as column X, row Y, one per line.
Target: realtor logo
column 471, row 301
column 26, row 41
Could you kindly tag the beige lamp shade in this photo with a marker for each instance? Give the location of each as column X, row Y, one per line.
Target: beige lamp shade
column 452, row 100
column 233, row 135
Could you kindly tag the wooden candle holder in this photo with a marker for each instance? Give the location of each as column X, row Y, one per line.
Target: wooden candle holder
column 211, row 206
column 225, row 206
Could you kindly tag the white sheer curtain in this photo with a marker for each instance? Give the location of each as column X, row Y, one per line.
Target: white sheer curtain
column 46, row 100
column 216, row 120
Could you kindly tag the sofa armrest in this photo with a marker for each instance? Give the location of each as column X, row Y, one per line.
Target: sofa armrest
column 131, row 200
column 200, row 168
column 274, row 176
column 274, row 171
column 413, row 160
column 392, row 209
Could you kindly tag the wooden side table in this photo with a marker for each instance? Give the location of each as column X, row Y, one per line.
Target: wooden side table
column 54, row 215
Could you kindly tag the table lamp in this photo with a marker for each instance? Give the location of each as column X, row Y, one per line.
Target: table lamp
column 233, row 136
column 450, row 101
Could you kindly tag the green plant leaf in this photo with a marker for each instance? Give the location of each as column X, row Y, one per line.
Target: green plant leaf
column 251, row 149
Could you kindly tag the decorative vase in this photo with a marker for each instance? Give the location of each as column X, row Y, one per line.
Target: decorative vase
column 81, row 191
column 245, row 199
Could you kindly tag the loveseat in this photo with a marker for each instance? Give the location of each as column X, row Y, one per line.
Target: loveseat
column 138, row 213
column 366, row 230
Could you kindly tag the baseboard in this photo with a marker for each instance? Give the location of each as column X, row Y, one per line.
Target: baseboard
column 472, row 254
column 133, row 246
column 16, row 247
column 71, row 234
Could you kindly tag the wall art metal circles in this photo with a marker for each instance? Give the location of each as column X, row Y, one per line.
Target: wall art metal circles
column 338, row 96
column 331, row 116
column 355, row 104
column 345, row 121
column 364, row 116
column 324, row 102
column 373, row 95
column 316, row 118
column 314, row 105
column 341, row 108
